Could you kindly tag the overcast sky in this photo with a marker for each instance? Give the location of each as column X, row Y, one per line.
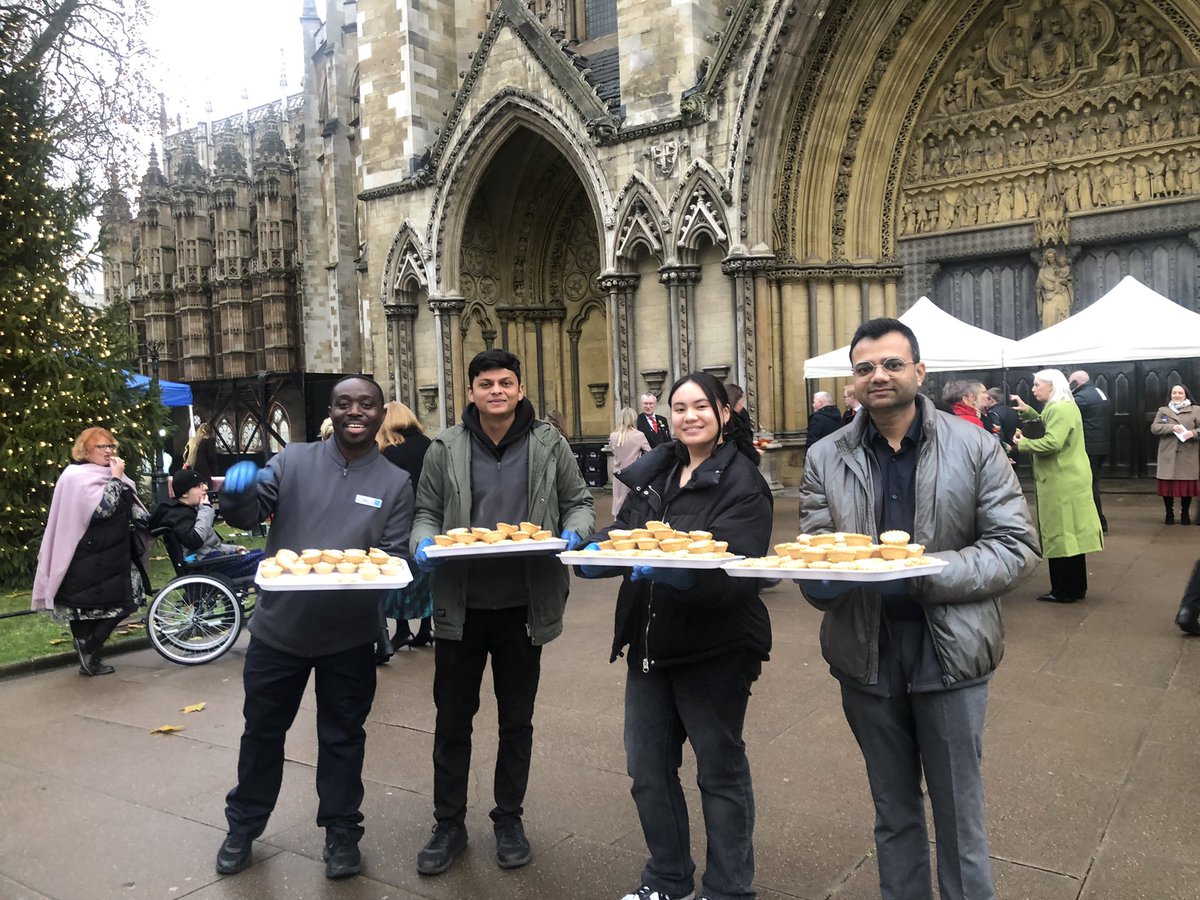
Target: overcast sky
column 214, row 50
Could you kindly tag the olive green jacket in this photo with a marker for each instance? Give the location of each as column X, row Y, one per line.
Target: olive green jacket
column 558, row 500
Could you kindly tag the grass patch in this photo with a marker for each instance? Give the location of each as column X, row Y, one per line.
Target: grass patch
column 32, row 637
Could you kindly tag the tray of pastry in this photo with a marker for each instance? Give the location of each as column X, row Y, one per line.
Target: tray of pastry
column 323, row 570
column 654, row 544
column 523, row 538
column 842, row 556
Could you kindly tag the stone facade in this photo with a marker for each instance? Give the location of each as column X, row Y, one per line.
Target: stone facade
column 621, row 191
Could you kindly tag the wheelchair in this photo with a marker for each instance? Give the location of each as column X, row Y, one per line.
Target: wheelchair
column 199, row 614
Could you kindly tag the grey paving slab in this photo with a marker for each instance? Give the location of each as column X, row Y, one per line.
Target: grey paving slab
column 1090, row 753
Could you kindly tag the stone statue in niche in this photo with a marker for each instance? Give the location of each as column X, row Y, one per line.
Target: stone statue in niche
column 995, row 147
column 931, row 212
column 1120, row 187
column 1137, row 124
column 952, row 156
column 1141, row 180
column 1052, row 214
column 1163, row 119
column 933, row 158
column 1112, row 127
column 1160, row 54
column 1087, row 138
column 1065, row 134
column 1070, row 190
column 1090, row 35
column 1020, row 207
column 1014, row 55
column 1190, row 172
column 973, row 152
column 1174, row 188
column 1158, row 177
column 1018, row 145
column 1040, row 138
column 1084, row 178
column 1055, row 290
column 1128, row 59
column 1004, row 202
column 1100, row 187
column 1189, row 113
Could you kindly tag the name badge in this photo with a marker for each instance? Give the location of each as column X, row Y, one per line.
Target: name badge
column 368, row 501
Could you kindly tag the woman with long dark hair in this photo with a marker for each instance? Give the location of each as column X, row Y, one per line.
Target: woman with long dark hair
column 694, row 647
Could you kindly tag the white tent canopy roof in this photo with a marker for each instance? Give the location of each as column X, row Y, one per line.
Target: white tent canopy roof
column 947, row 344
column 1130, row 322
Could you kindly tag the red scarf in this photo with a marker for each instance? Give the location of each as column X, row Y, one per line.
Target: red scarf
column 968, row 412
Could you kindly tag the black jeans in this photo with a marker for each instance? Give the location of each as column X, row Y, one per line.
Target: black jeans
column 705, row 704
column 1096, row 462
column 458, row 673
column 1068, row 576
column 274, row 684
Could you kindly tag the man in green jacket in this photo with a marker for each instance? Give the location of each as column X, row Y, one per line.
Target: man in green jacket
column 499, row 465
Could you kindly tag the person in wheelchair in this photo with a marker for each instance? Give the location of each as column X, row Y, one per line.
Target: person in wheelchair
column 190, row 517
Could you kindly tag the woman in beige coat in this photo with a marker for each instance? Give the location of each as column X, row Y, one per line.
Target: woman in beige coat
column 628, row 444
column 1176, row 425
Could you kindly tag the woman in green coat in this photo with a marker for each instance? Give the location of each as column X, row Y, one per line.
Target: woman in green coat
column 1067, row 519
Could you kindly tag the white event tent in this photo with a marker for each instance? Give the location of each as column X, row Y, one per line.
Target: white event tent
column 947, row 345
column 1130, row 322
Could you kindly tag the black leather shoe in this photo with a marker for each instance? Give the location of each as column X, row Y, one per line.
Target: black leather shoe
column 1054, row 598
column 423, row 639
column 512, row 847
column 449, row 840
column 234, row 855
column 89, row 663
column 342, row 856
column 1187, row 620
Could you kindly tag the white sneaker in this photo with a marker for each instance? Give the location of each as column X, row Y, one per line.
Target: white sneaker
column 645, row 892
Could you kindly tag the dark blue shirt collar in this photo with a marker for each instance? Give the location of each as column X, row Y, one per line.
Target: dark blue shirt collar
column 913, row 434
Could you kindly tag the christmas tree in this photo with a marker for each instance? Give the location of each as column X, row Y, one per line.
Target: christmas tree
column 62, row 366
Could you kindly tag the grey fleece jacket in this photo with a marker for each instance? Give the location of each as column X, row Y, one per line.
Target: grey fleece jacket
column 320, row 501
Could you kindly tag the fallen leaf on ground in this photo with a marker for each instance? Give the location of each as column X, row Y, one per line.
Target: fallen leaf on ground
column 56, row 641
column 195, row 707
column 166, row 729
column 135, row 626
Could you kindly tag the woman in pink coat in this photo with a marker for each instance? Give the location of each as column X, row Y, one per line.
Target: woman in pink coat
column 627, row 444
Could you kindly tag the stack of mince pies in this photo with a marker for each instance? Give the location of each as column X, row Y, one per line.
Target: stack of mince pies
column 356, row 565
column 844, row 551
column 658, row 540
column 502, row 533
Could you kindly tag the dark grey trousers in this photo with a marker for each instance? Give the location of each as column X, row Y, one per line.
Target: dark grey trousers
column 940, row 733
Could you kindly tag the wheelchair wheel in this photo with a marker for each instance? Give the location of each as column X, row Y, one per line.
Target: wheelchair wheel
column 194, row 619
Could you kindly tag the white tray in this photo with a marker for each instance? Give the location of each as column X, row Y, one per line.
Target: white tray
column 479, row 548
column 592, row 558
column 334, row 582
column 771, row 572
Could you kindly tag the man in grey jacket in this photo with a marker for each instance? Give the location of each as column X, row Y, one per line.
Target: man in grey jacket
column 500, row 465
column 914, row 657
column 331, row 495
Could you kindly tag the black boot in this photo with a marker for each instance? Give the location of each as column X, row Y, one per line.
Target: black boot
column 1188, row 617
column 1169, row 503
column 424, row 636
column 1185, row 511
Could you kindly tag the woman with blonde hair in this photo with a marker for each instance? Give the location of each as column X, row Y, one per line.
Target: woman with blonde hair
column 403, row 443
column 91, row 569
column 1068, row 524
column 200, row 452
column 627, row 444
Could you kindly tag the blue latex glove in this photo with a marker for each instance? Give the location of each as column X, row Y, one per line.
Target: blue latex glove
column 424, row 563
column 831, row 590
column 588, row 571
column 574, row 541
column 680, row 579
column 241, row 477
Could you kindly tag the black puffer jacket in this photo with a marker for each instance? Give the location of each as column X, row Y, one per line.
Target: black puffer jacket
column 718, row 614
column 98, row 577
column 1096, row 411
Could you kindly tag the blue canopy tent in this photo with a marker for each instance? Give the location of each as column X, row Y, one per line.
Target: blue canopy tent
column 173, row 392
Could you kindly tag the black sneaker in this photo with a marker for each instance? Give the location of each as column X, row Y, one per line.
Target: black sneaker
column 645, row 892
column 342, row 857
column 512, row 847
column 234, row 855
column 449, row 839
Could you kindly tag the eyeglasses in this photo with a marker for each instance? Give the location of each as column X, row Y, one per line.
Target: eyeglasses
column 892, row 364
column 104, row 446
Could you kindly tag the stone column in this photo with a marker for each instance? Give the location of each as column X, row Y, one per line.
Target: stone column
column 744, row 272
column 620, row 290
column 401, row 345
column 681, row 282
column 446, row 311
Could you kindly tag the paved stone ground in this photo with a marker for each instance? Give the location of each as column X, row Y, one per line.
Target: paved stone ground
column 1091, row 759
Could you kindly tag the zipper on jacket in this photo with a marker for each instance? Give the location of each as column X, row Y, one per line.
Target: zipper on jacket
column 646, row 663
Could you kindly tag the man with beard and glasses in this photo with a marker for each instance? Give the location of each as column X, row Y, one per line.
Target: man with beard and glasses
column 914, row 657
column 331, row 494
column 500, row 465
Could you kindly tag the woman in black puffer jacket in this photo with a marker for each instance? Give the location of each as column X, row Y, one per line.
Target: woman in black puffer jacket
column 696, row 642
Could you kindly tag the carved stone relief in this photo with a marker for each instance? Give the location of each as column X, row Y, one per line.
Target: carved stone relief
column 1084, row 103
